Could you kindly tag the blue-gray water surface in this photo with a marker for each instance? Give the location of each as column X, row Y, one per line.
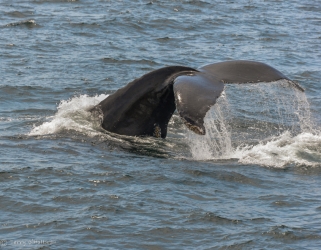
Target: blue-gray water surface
column 253, row 182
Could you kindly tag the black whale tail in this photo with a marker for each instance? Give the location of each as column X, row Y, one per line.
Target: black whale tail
column 145, row 106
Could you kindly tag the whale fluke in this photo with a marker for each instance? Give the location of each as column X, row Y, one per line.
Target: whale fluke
column 144, row 106
column 242, row 71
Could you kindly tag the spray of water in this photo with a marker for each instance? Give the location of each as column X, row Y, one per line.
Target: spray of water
column 72, row 115
column 267, row 124
column 217, row 141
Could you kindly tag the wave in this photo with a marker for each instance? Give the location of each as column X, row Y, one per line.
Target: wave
column 128, row 61
column 17, row 14
column 28, row 23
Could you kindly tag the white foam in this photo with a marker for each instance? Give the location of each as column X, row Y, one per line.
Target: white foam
column 283, row 150
column 72, row 115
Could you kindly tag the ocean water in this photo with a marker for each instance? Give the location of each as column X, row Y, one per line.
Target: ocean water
column 254, row 180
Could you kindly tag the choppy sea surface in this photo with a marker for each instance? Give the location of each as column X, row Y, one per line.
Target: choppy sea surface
column 254, row 180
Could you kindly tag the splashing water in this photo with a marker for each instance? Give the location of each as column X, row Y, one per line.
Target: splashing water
column 73, row 115
column 283, row 150
column 267, row 124
column 216, row 143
